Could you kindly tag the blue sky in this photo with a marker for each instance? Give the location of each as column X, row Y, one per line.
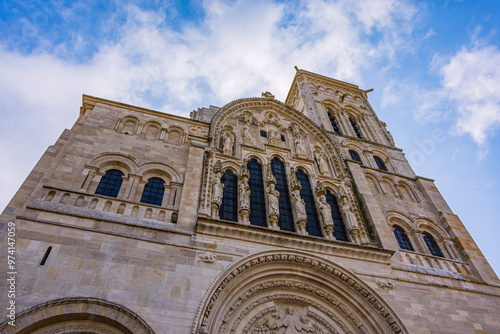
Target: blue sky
column 434, row 67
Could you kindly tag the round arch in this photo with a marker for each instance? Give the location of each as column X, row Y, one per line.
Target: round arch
column 78, row 315
column 276, row 289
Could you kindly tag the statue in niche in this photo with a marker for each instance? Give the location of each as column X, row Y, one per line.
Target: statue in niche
column 300, row 147
column 244, row 194
column 227, row 147
column 247, row 134
column 217, row 189
column 299, row 207
column 351, row 221
column 273, row 196
column 326, row 212
column 322, row 164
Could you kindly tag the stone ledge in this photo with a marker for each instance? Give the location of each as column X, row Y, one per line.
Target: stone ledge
column 262, row 235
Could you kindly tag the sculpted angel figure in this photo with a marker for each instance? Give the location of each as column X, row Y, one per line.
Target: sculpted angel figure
column 228, row 144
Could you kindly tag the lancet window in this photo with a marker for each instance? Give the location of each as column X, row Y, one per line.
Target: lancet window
column 153, row 191
column 110, row 183
column 285, row 221
column 356, row 129
column 432, row 245
column 402, row 238
column 312, row 227
column 333, row 121
column 380, row 163
column 229, row 205
column 338, row 222
column 257, row 198
column 355, row 155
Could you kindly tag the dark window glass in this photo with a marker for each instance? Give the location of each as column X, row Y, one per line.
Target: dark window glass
column 285, row 221
column 402, row 238
column 263, row 133
column 334, row 123
column 229, row 206
column 153, row 191
column 432, row 245
column 338, row 222
column 356, row 129
column 380, row 163
column 283, row 138
column 354, row 155
column 110, row 183
column 307, row 195
column 257, row 197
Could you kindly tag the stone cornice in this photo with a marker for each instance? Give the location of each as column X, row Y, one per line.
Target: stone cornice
column 256, row 234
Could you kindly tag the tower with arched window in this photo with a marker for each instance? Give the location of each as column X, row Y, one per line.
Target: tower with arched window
column 259, row 216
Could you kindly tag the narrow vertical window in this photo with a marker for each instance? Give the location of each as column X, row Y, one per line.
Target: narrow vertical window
column 380, row 163
column 229, row 206
column 110, row 183
column 257, row 197
column 356, row 129
column 355, row 155
column 285, row 221
column 307, row 195
column 338, row 222
column 153, row 191
column 46, row 256
column 402, row 238
column 432, row 245
column 333, row 121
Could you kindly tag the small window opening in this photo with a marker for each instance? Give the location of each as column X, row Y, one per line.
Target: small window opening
column 46, row 256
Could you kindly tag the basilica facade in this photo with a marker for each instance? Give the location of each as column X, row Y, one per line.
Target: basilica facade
column 262, row 216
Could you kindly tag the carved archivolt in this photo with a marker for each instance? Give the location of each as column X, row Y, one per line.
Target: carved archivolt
column 292, row 291
column 88, row 315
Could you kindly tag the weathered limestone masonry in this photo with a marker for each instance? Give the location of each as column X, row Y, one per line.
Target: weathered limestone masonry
column 257, row 217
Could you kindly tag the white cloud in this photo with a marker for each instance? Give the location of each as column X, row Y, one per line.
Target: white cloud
column 242, row 48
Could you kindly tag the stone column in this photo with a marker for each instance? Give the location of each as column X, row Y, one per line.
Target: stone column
column 88, row 179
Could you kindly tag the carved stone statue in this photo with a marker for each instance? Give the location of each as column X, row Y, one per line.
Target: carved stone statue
column 351, row 222
column 206, row 257
column 244, row 194
column 217, row 189
column 287, row 321
column 247, row 134
column 227, row 147
column 326, row 212
column 322, row 164
column 299, row 207
column 300, row 147
column 273, row 196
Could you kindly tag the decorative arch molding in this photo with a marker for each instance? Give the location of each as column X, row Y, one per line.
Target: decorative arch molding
column 238, row 106
column 397, row 218
column 425, row 224
column 78, row 315
column 110, row 158
column 283, row 287
column 174, row 175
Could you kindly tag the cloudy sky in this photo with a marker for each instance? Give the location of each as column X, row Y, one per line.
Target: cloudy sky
column 434, row 67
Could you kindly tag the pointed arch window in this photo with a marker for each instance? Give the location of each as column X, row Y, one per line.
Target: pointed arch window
column 402, row 238
column 380, row 163
column 356, row 129
column 333, row 121
column 338, row 222
column 153, row 191
column 312, row 226
column 285, row 221
column 432, row 245
column 110, row 183
column 229, row 206
column 355, row 156
column 257, row 198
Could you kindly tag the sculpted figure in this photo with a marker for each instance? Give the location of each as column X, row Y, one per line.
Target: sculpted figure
column 299, row 146
column 217, row 192
column 247, row 135
column 322, row 164
column 349, row 215
column 273, row 196
column 228, row 145
column 244, row 194
column 326, row 212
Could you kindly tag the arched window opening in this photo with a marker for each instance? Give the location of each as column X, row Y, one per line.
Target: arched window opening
column 355, row 156
column 338, row 222
column 285, row 221
column 110, row 183
column 402, row 238
column 380, row 163
column 432, row 245
column 257, row 198
column 312, row 226
column 356, row 129
column 229, row 206
column 153, row 191
column 333, row 121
